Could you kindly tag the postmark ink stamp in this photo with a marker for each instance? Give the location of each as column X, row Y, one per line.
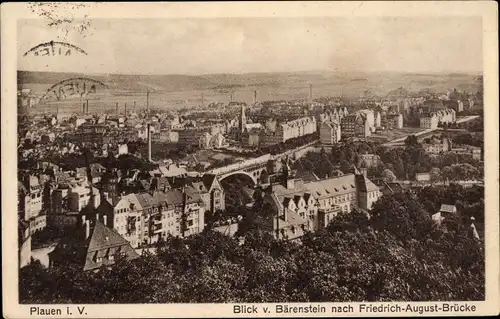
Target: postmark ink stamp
column 54, row 48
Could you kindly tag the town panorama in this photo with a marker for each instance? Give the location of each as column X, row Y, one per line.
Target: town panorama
column 249, row 187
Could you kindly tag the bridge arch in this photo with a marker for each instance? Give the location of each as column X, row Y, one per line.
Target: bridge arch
column 251, row 176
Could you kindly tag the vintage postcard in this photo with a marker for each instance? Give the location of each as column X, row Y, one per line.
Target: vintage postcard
column 250, row 159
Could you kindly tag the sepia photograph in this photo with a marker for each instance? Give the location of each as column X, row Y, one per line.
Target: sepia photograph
column 247, row 160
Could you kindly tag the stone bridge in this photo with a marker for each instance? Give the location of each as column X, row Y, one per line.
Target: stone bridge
column 257, row 169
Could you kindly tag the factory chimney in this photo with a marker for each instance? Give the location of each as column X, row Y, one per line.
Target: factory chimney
column 149, row 143
column 310, row 92
column 83, row 108
column 254, row 96
column 87, row 106
column 116, row 108
column 134, row 107
column 147, row 101
column 202, row 100
column 125, row 109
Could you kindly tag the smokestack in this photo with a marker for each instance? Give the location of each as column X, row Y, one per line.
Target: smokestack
column 149, row 143
column 105, row 220
column 87, row 229
column 83, row 108
column 87, row 106
column 231, row 97
column 202, row 100
column 134, row 107
column 147, row 101
column 255, row 96
column 116, row 108
column 310, row 92
column 125, row 109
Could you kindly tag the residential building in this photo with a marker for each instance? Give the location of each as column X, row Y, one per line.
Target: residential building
column 369, row 115
column 30, row 197
column 284, row 131
column 144, row 218
column 444, row 212
column 172, row 171
column 431, row 120
column 378, row 119
column 392, row 121
column 437, row 146
column 24, row 243
column 296, row 206
column 209, row 141
column 329, row 133
column 37, row 223
column 211, row 192
column 190, row 136
column 251, row 138
column 474, row 152
column 355, row 125
column 369, row 160
column 423, row 177
column 94, row 245
column 471, row 104
column 80, row 195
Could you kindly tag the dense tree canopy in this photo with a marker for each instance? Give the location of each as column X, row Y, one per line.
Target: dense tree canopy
column 405, row 163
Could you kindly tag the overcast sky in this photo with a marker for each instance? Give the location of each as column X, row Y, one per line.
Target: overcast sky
column 200, row 46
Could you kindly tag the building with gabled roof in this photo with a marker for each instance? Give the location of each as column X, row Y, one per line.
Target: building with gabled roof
column 445, row 211
column 93, row 246
column 143, row 218
column 296, row 206
column 448, row 209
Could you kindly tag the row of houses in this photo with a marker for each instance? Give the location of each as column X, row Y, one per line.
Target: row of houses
column 359, row 124
column 297, row 206
column 142, row 207
column 431, row 120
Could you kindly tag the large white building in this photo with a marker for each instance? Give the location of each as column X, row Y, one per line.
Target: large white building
column 284, row 131
column 431, row 120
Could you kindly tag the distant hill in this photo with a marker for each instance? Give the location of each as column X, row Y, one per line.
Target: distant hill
column 119, row 82
column 180, row 91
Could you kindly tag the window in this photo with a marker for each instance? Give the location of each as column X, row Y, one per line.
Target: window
column 99, row 259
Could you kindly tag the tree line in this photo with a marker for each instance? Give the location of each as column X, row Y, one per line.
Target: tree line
column 403, row 163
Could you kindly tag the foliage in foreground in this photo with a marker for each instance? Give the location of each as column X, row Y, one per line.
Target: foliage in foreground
column 397, row 254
